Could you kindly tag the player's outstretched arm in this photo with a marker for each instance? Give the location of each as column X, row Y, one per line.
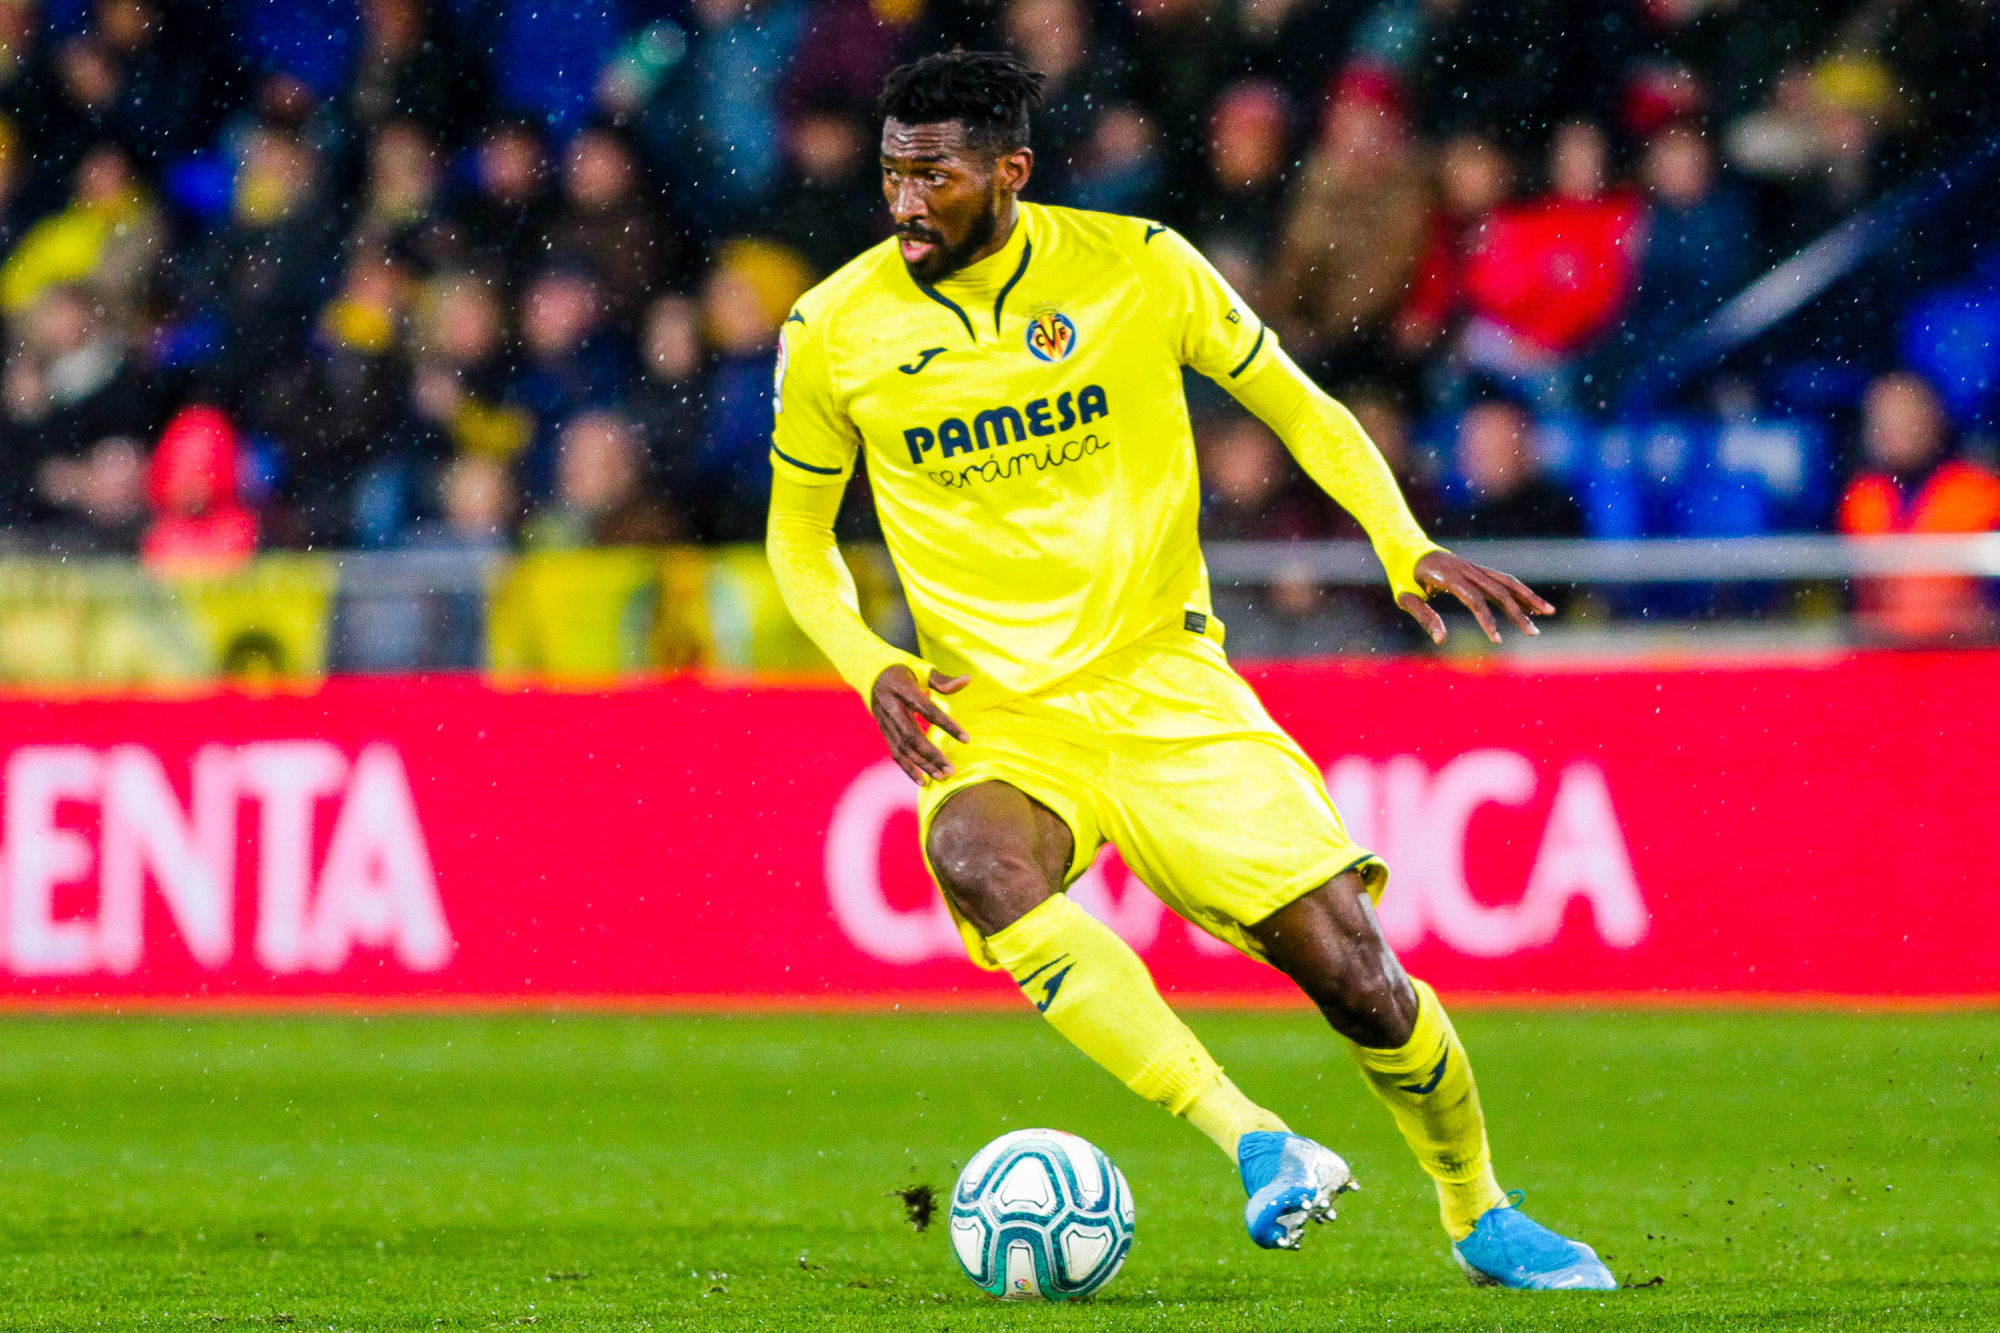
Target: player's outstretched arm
column 1338, row 455
column 819, row 592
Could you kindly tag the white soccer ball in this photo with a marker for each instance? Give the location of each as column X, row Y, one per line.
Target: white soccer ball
column 1040, row 1215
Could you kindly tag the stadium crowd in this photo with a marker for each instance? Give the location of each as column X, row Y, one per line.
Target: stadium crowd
column 492, row 274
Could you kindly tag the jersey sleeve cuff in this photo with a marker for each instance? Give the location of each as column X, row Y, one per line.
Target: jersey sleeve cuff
column 1400, row 562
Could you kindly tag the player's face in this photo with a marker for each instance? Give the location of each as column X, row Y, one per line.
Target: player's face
column 945, row 196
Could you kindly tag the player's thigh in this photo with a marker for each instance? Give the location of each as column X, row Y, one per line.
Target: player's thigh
column 1228, row 831
column 1041, row 802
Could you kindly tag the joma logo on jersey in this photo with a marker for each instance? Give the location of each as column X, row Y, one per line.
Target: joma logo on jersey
column 1008, row 425
column 1051, row 335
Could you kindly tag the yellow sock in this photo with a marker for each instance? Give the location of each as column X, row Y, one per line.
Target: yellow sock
column 1427, row 1085
column 1097, row 993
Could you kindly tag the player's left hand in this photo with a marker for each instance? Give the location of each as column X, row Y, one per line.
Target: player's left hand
column 1476, row 586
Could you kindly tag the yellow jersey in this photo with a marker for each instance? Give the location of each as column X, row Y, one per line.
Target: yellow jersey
column 1027, row 435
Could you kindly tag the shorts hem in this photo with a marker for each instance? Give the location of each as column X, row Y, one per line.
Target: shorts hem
column 1325, row 871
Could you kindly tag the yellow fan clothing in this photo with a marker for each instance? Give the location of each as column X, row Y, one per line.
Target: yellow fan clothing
column 1029, row 449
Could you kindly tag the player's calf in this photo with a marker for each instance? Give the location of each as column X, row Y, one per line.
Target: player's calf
column 1330, row 944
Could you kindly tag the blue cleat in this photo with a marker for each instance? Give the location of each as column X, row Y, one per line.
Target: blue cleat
column 1507, row 1248
column 1291, row 1181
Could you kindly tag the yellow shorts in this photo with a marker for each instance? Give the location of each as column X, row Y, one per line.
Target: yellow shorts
column 1165, row 752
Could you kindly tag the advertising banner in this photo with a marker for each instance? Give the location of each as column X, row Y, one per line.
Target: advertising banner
column 1793, row 832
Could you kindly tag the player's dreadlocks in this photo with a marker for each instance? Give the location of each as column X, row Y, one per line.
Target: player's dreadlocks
column 989, row 91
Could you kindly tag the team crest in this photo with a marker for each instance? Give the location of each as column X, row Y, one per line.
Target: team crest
column 1051, row 335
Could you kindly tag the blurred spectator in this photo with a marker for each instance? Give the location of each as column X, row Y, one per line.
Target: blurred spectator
column 608, row 219
column 130, row 76
column 569, row 360
column 667, row 404
column 477, row 508
column 1816, row 145
column 848, row 48
column 1937, row 54
column 101, row 497
column 1910, row 483
column 109, row 237
column 264, row 273
column 351, row 445
column 601, row 495
column 1548, row 277
column 71, row 382
column 401, row 204
column 827, row 209
column 1506, row 491
column 1254, row 491
column 1181, row 50
column 409, row 66
column 1353, row 230
column 1120, row 168
column 460, row 376
column 745, row 299
column 1057, row 38
column 200, row 524
column 1474, row 177
column 504, row 216
column 1693, row 245
column 1295, row 42
column 1236, row 215
column 713, row 124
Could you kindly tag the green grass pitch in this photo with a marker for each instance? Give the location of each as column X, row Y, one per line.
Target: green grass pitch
column 1771, row 1170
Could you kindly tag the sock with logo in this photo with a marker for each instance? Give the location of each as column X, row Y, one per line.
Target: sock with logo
column 1427, row 1085
column 1093, row 988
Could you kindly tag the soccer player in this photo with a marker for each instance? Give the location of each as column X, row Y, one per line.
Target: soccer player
column 1013, row 372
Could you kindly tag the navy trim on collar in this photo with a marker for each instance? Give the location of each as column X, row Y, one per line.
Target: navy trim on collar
column 948, row 304
column 1027, row 252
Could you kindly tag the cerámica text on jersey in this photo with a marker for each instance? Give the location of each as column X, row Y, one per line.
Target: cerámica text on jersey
column 991, row 427
column 1014, row 465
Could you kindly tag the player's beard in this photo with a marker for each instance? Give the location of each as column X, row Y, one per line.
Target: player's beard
column 945, row 259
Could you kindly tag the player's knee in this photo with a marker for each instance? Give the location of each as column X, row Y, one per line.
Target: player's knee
column 991, row 882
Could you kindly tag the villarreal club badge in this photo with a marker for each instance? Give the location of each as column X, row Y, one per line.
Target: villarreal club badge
column 1051, row 335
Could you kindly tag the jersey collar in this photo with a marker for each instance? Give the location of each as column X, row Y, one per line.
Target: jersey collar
column 974, row 291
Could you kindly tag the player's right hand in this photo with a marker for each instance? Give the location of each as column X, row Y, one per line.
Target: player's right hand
column 905, row 712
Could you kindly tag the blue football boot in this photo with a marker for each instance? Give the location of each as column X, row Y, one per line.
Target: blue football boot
column 1507, row 1248
column 1291, row 1181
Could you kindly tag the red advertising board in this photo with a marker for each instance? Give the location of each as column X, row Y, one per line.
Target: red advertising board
column 1796, row 831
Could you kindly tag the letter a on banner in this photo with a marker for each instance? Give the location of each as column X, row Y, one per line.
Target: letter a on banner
column 1583, row 856
column 377, row 887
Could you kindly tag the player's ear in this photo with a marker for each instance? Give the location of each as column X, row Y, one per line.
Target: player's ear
column 1013, row 169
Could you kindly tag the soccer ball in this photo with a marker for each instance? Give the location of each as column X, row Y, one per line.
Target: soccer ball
column 1040, row 1215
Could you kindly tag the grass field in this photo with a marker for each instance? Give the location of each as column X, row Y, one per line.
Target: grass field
column 1772, row 1171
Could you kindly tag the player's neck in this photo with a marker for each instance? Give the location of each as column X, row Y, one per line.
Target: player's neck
column 981, row 270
